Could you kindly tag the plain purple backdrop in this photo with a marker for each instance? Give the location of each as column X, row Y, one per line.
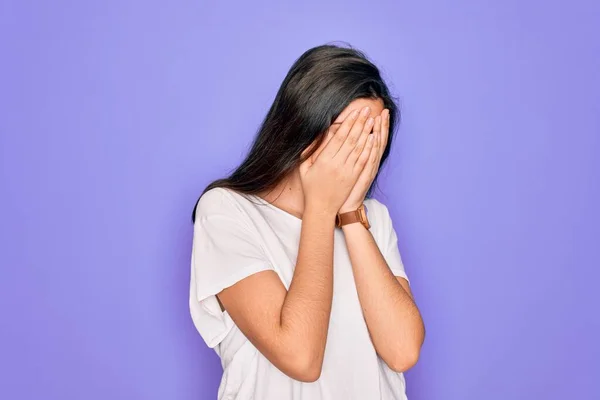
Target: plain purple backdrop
column 115, row 115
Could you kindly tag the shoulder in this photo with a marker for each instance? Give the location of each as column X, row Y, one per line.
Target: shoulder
column 379, row 218
column 377, row 212
column 220, row 201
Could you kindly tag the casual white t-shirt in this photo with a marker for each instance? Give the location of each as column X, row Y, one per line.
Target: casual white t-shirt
column 236, row 235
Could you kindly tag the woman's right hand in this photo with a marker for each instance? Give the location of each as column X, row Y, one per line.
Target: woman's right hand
column 330, row 173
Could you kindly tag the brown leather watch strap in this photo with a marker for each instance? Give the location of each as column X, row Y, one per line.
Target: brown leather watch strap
column 350, row 217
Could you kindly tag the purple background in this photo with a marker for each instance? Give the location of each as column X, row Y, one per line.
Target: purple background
column 115, row 115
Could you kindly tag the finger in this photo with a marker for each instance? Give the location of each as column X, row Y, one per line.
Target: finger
column 385, row 129
column 364, row 156
column 377, row 125
column 364, row 135
column 371, row 162
column 363, row 122
column 340, row 135
column 362, row 141
column 375, row 153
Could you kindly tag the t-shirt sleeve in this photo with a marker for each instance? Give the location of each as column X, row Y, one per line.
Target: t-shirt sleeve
column 388, row 240
column 224, row 251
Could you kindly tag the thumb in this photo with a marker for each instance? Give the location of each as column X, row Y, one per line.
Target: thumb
column 306, row 164
column 326, row 139
column 311, row 160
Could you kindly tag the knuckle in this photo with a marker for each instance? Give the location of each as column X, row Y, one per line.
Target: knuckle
column 352, row 140
column 339, row 139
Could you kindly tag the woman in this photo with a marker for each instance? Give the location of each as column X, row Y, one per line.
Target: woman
column 301, row 293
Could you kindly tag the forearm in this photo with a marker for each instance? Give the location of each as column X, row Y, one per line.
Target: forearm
column 392, row 317
column 307, row 306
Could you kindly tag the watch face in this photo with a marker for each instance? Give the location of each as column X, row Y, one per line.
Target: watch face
column 363, row 213
column 363, row 216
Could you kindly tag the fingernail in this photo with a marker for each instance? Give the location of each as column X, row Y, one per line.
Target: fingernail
column 366, row 111
column 354, row 114
column 370, row 121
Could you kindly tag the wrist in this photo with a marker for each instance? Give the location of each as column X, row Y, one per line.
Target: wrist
column 319, row 212
column 350, row 207
column 349, row 228
column 354, row 215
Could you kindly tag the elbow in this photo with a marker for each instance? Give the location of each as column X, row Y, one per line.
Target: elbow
column 404, row 361
column 407, row 355
column 309, row 375
column 309, row 371
column 306, row 369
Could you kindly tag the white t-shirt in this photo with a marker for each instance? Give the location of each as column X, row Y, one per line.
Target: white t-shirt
column 237, row 235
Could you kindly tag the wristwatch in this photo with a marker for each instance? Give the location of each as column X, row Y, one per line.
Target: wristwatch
column 358, row 215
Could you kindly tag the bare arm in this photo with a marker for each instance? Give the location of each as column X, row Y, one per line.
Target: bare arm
column 393, row 319
column 394, row 322
column 290, row 328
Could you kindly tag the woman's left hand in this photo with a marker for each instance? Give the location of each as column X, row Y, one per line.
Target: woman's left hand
column 360, row 189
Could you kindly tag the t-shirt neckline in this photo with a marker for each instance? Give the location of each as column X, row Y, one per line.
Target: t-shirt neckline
column 277, row 209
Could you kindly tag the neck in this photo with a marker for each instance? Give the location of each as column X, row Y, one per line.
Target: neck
column 287, row 195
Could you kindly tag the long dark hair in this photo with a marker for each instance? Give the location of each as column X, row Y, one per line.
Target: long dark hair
column 318, row 87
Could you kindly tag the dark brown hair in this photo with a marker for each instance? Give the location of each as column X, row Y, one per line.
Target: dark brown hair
column 318, row 87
